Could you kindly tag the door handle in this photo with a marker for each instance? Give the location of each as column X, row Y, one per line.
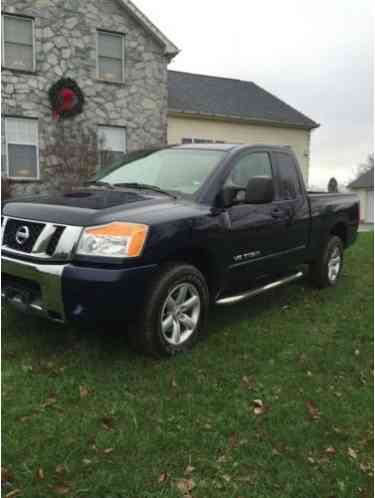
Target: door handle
column 277, row 213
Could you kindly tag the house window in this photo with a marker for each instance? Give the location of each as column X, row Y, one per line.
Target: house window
column 18, row 43
column 111, row 56
column 201, row 141
column 22, row 149
column 112, row 144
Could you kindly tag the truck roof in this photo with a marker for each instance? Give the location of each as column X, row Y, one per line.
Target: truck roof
column 227, row 146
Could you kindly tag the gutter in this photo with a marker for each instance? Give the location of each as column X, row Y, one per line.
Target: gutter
column 240, row 119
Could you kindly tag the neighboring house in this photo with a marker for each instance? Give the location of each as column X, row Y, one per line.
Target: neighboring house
column 212, row 109
column 364, row 187
column 119, row 60
column 115, row 54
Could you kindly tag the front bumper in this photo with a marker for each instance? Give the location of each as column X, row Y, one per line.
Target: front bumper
column 34, row 288
column 68, row 292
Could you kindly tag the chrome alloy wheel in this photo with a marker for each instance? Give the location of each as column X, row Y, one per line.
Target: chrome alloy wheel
column 180, row 314
column 334, row 264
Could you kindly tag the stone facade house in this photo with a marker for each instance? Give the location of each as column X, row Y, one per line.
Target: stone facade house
column 117, row 57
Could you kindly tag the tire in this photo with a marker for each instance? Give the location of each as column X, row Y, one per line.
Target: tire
column 326, row 271
column 181, row 284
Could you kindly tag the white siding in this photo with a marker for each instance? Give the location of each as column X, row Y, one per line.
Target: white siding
column 215, row 130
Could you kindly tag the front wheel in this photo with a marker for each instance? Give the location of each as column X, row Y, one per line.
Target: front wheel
column 175, row 312
column 326, row 271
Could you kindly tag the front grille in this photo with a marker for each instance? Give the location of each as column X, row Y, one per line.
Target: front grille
column 40, row 240
column 10, row 232
column 54, row 240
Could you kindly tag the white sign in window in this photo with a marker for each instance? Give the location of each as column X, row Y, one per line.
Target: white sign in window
column 112, row 144
column 111, row 56
column 18, row 43
column 22, row 148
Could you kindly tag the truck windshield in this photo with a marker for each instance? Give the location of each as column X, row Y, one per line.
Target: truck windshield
column 175, row 170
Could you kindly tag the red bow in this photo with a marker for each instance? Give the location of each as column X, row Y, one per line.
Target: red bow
column 66, row 101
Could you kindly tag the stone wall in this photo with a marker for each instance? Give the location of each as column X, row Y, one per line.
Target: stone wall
column 65, row 45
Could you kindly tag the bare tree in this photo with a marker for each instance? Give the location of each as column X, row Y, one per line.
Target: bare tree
column 6, row 190
column 366, row 166
column 72, row 156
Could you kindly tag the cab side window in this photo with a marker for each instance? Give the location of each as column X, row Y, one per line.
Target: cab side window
column 290, row 185
column 255, row 164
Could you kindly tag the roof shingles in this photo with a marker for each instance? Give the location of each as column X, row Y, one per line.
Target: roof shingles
column 364, row 181
column 232, row 99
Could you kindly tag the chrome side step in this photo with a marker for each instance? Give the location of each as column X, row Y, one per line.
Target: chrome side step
column 255, row 292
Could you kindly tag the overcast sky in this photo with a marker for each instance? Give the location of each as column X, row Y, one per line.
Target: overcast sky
column 316, row 55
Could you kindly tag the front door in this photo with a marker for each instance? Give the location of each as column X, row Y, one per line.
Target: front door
column 254, row 233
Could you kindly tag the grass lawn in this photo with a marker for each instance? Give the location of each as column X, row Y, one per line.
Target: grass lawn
column 85, row 417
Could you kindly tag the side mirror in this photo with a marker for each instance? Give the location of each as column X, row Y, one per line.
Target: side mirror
column 260, row 190
column 227, row 196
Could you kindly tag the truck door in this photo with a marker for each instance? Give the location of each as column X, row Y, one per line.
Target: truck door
column 293, row 207
column 253, row 237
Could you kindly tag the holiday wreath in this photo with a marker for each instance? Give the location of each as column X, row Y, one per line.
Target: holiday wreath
column 66, row 99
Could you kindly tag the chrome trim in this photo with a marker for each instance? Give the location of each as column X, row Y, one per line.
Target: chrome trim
column 255, row 292
column 49, row 277
column 64, row 249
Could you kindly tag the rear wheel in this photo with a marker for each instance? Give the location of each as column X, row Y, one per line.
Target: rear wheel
column 175, row 312
column 326, row 271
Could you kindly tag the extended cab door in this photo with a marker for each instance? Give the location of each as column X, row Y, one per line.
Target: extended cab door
column 292, row 206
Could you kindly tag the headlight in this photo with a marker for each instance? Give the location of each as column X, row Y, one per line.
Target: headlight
column 116, row 240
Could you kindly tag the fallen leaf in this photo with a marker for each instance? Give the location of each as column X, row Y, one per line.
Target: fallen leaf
column 49, row 402
column 40, row 474
column 366, row 467
column 61, row 489
column 189, row 469
column 13, row 493
column 25, row 419
column 185, row 486
column 260, row 407
column 352, row 453
column 233, row 440
column 331, row 451
column 313, row 410
column 108, row 423
column 246, row 479
column 163, row 477
column 6, row 475
column 60, row 469
column 83, row 392
column 250, row 382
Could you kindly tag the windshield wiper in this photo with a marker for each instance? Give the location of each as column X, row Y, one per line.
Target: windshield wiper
column 98, row 183
column 145, row 186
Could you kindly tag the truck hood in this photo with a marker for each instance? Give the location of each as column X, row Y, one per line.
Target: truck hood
column 89, row 207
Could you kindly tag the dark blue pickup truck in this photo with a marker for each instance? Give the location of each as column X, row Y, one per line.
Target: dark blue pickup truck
column 164, row 233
